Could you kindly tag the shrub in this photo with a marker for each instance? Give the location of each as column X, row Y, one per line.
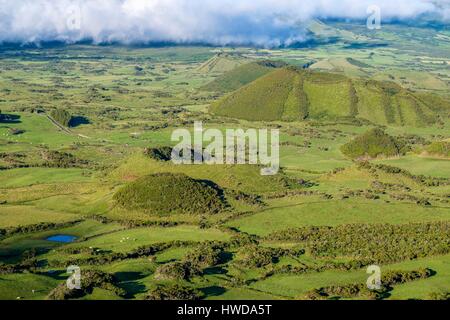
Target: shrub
column 61, row 116
column 57, row 159
column 28, row 265
column 375, row 243
column 372, row 144
column 174, row 292
column 356, row 290
column 205, row 255
column 258, row 257
column 174, row 271
column 442, row 295
column 160, row 154
column 90, row 279
column 441, row 148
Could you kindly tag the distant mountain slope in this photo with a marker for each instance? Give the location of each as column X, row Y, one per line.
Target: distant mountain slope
column 291, row 94
column 223, row 62
column 348, row 66
column 242, row 75
column 321, row 29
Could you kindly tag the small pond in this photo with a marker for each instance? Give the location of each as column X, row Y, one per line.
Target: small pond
column 62, row 238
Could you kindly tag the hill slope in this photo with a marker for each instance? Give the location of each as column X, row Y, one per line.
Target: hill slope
column 167, row 193
column 348, row 66
column 242, row 75
column 222, row 62
column 320, row 29
column 290, row 94
column 372, row 144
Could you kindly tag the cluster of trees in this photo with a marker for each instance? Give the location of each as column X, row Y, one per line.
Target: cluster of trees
column 165, row 154
column 130, row 224
column 291, row 193
column 354, row 264
column 61, row 116
column 57, row 159
column 250, row 199
column 360, row 289
column 100, row 258
column 368, row 194
column 175, row 271
column 160, row 154
column 243, row 239
column 14, row 160
column 421, row 179
column 44, row 226
column 27, row 265
column 174, row 292
column 254, row 256
column 442, row 295
column 377, row 243
column 90, row 279
column 94, row 94
column 113, row 113
column 156, row 127
column 412, row 139
column 418, row 200
column 441, row 148
column 204, row 256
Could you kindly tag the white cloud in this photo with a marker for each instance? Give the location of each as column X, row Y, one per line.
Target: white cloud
column 261, row 22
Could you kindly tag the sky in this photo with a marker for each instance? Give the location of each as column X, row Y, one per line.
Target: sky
column 219, row 22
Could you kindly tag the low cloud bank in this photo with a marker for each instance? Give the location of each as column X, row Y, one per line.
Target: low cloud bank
column 219, row 22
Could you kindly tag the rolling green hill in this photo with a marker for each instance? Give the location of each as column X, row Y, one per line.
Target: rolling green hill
column 320, row 29
column 372, row 144
column 166, row 193
column 291, row 94
column 242, row 75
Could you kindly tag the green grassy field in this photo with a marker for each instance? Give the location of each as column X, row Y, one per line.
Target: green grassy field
column 67, row 180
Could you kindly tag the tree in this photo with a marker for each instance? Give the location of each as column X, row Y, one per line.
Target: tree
column 61, row 116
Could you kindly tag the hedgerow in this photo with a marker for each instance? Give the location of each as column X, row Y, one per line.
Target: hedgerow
column 90, row 279
column 375, row 243
column 360, row 290
column 174, row 292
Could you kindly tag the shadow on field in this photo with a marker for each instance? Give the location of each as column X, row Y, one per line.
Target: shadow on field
column 57, row 274
column 365, row 45
column 129, row 276
column 9, row 118
column 215, row 270
column 213, row 291
column 216, row 187
column 129, row 281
